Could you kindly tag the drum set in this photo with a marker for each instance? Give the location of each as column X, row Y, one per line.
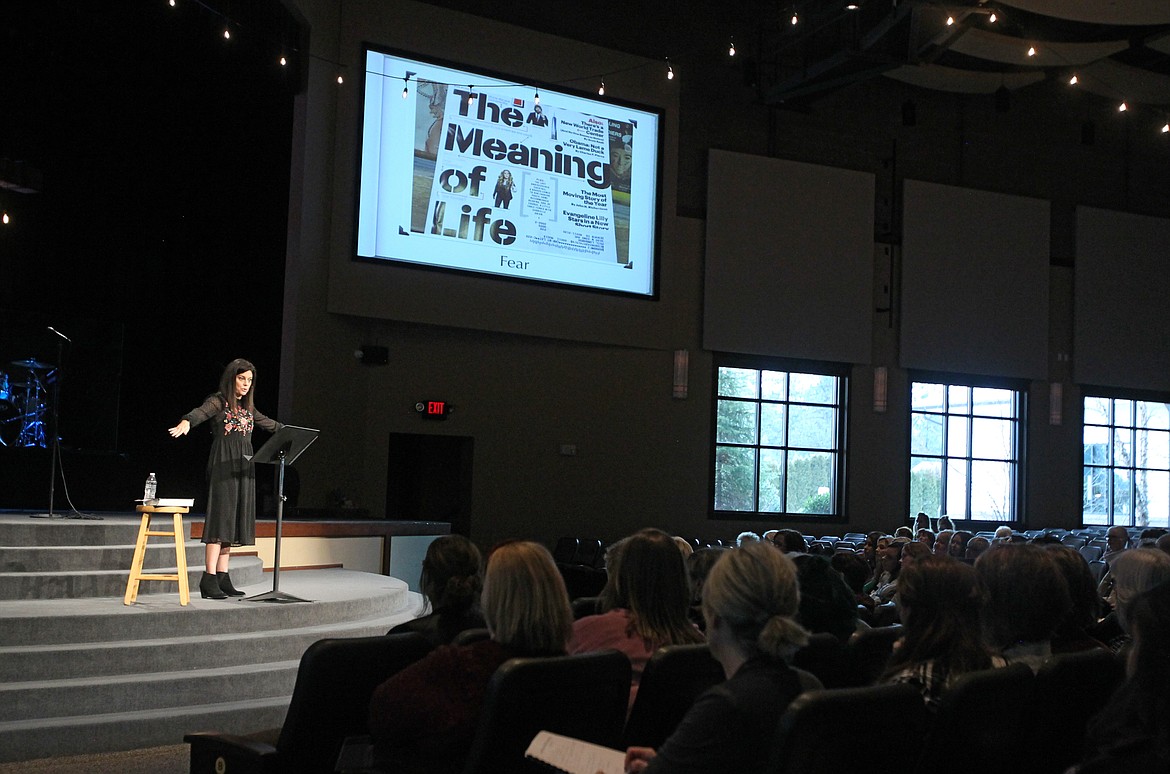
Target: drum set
column 23, row 412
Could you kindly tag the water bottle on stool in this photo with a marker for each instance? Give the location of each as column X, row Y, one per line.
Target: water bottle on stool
column 150, row 492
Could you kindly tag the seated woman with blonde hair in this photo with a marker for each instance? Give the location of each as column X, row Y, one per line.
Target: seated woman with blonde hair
column 424, row 717
column 750, row 602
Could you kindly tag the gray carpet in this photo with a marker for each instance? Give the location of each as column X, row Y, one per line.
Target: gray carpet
column 173, row 759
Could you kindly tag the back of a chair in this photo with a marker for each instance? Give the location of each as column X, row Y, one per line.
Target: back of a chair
column 671, row 681
column 977, row 716
column 868, row 651
column 468, row 636
column 825, row 656
column 565, row 550
column 849, row 729
column 583, row 696
column 583, row 606
column 1090, row 552
column 1068, row 690
column 331, row 697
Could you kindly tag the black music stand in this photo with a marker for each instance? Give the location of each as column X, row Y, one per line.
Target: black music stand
column 281, row 449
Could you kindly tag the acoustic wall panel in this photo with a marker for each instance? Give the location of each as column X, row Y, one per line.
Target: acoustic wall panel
column 974, row 282
column 789, row 263
column 1121, row 332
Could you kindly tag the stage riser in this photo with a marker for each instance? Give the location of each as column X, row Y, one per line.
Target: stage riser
column 112, row 530
column 108, row 659
column 159, row 553
column 80, row 672
column 153, row 690
column 129, row 731
column 112, row 583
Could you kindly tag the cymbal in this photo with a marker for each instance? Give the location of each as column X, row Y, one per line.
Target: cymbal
column 32, row 365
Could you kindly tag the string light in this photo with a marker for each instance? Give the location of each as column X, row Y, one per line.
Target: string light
column 992, row 17
column 5, row 219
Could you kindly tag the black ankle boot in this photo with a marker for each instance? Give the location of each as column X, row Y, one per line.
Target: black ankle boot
column 225, row 585
column 209, row 587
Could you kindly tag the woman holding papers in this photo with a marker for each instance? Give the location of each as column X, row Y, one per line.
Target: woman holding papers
column 750, row 600
column 231, row 476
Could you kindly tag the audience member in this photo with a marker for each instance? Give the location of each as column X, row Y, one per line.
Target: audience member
column 1163, row 543
column 684, row 546
column 424, row 717
column 1150, row 535
column 769, row 536
column 827, row 603
column 699, row 565
column 1072, row 634
column 942, row 542
column 939, row 603
column 1134, row 572
column 607, row 599
column 750, row 600
column 746, row 537
column 921, row 522
column 649, row 606
column 975, row 548
column 869, row 548
column 944, row 522
column 904, row 531
column 959, row 540
column 1116, row 541
column 884, row 583
column 854, row 571
column 925, row 537
column 451, row 581
column 1027, row 597
column 911, row 552
column 1003, row 533
column 1131, row 734
column 790, row 541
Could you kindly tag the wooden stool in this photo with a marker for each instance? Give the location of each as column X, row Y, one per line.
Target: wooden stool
column 144, row 531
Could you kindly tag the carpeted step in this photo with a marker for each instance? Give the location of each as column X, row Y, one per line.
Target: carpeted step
column 159, row 553
column 89, row 583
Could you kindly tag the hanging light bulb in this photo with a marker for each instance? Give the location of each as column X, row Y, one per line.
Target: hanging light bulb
column 172, row 3
column 1165, row 130
column 536, row 99
column 795, row 19
column 852, row 7
column 405, row 84
column 5, row 219
column 950, row 20
column 227, row 34
column 470, row 94
column 340, row 79
column 1031, row 51
column 1122, row 107
column 993, row 18
column 669, row 70
column 731, row 48
column 283, row 62
column 1073, row 80
column 601, row 89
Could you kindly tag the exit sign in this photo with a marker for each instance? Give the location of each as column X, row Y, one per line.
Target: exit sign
column 433, row 409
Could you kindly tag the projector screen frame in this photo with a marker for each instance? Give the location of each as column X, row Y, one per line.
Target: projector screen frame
column 644, row 241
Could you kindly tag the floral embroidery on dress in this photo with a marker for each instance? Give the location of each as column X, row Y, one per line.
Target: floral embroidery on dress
column 237, row 420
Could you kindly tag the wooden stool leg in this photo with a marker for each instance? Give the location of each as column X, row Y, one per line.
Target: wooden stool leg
column 136, row 565
column 181, row 560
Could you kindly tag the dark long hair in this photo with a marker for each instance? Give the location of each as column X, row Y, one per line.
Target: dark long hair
column 652, row 584
column 452, row 574
column 941, row 600
column 227, row 384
